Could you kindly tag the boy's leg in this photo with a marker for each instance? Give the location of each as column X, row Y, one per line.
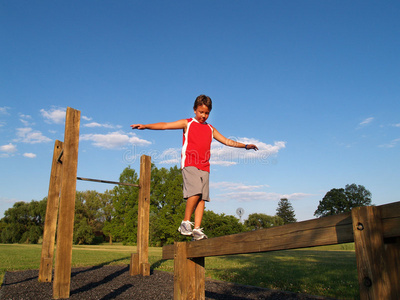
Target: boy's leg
column 195, row 204
column 198, row 215
column 191, row 204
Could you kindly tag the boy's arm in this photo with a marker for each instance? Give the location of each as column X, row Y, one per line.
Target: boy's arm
column 180, row 124
column 220, row 138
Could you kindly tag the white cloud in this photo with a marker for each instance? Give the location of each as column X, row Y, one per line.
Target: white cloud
column 114, row 140
column 30, row 136
column 396, row 125
column 29, row 155
column 249, row 196
column 235, row 186
column 169, row 156
column 54, row 115
column 226, row 156
column 86, row 118
column 25, row 119
column 4, row 110
column 392, row 144
column 366, row 121
column 226, row 191
column 245, row 196
column 9, row 200
column 10, row 148
column 93, row 124
column 106, row 125
column 295, row 196
column 7, row 150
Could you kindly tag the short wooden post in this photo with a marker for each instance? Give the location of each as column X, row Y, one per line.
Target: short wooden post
column 62, row 274
column 143, row 219
column 50, row 223
column 373, row 277
column 134, row 267
column 189, row 274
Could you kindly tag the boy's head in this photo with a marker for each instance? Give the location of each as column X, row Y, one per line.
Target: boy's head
column 203, row 100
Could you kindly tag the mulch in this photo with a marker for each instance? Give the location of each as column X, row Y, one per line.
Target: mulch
column 114, row 282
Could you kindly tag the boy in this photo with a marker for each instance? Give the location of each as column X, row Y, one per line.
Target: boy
column 195, row 161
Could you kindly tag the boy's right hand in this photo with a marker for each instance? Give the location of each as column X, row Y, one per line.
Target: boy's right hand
column 138, row 126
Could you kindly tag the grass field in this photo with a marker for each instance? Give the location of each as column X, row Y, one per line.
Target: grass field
column 326, row 271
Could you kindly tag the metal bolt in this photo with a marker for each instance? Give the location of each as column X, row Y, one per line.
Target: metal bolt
column 367, row 282
column 360, row 226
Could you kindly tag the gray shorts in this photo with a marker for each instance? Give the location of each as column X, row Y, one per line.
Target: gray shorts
column 195, row 182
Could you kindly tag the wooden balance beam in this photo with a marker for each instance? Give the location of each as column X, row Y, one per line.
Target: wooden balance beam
column 375, row 231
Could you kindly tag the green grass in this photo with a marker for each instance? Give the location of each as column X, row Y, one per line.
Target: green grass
column 326, row 271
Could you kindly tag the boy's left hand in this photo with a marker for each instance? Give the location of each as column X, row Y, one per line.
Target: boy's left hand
column 251, row 146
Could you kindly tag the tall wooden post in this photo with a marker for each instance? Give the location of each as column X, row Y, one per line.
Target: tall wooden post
column 50, row 223
column 62, row 275
column 140, row 260
column 189, row 274
column 373, row 276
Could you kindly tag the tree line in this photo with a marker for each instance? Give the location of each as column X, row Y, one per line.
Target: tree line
column 112, row 216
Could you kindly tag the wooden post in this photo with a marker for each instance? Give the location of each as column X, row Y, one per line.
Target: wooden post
column 393, row 264
column 189, row 274
column 50, row 223
column 143, row 219
column 62, row 274
column 373, row 277
column 134, row 268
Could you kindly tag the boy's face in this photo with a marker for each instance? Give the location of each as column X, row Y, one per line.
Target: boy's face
column 202, row 112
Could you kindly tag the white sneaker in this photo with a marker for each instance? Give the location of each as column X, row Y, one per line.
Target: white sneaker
column 198, row 234
column 186, row 228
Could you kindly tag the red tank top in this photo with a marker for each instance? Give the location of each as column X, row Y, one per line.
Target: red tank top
column 196, row 145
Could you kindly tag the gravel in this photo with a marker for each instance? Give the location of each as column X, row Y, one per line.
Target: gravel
column 114, row 282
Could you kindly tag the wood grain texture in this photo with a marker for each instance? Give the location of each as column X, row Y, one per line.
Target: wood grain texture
column 50, row 223
column 62, row 274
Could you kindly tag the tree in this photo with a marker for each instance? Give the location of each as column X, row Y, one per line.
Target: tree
column 24, row 222
column 221, row 224
column 286, row 211
column 122, row 224
column 89, row 217
column 258, row 221
column 338, row 201
column 83, row 233
column 167, row 205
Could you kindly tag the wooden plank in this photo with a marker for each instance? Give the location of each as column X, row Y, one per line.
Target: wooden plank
column 62, row 274
column 50, row 223
column 144, row 214
column 373, row 277
column 317, row 232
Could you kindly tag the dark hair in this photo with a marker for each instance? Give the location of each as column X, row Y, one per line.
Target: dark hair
column 203, row 100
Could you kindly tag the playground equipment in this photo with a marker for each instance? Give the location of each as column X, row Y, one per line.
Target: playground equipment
column 61, row 202
column 375, row 230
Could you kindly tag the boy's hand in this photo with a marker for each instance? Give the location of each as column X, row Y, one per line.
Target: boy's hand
column 138, row 126
column 251, row 146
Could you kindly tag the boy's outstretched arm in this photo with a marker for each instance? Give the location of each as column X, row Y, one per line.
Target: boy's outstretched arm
column 220, row 138
column 180, row 124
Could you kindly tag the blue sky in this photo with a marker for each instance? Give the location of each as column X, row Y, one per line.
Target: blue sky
column 315, row 84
